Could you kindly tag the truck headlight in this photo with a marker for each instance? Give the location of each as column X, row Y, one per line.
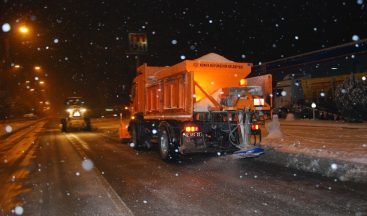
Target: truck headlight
column 76, row 114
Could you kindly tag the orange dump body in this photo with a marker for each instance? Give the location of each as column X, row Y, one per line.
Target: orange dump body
column 170, row 92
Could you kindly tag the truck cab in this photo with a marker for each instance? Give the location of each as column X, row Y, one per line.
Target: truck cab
column 76, row 115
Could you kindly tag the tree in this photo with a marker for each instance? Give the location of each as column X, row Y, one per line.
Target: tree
column 351, row 99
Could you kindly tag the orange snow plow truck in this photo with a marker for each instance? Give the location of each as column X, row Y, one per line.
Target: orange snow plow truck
column 196, row 106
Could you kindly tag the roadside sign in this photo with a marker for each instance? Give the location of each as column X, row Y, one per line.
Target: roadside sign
column 138, row 43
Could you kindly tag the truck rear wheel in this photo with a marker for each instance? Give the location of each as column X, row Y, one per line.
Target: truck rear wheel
column 166, row 149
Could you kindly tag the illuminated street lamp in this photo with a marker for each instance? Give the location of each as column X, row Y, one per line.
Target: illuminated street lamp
column 37, row 68
column 23, row 29
column 313, row 106
column 41, row 82
column 17, row 66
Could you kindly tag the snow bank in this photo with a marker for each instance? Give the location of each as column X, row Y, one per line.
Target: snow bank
column 213, row 57
column 273, row 128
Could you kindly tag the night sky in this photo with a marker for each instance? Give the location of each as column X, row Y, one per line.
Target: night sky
column 82, row 44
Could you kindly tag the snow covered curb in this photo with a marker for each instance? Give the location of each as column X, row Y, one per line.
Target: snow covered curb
column 335, row 168
column 15, row 127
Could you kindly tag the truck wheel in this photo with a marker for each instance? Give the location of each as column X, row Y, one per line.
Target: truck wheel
column 166, row 151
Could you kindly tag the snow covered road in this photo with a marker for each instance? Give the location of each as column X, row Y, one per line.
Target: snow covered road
column 88, row 173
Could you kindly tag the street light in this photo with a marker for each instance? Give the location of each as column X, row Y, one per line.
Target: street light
column 42, row 82
column 23, row 29
column 313, row 105
column 37, row 68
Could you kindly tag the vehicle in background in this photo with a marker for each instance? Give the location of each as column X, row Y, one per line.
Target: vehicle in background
column 29, row 115
column 202, row 105
column 295, row 93
column 76, row 115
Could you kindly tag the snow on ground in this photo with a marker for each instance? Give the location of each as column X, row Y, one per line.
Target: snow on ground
column 273, row 129
column 323, row 139
column 326, row 139
column 7, row 127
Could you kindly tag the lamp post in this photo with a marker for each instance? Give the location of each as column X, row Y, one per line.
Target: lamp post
column 313, row 106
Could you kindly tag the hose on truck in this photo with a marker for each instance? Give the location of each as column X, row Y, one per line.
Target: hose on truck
column 233, row 133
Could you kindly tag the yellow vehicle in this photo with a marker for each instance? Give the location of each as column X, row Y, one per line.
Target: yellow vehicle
column 193, row 106
column 295, row 93
column 76, row 115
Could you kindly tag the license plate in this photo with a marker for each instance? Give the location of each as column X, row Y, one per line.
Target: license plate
column 193, row 134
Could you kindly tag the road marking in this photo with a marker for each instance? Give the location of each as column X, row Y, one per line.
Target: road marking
column 111, row 193
column 70, row 137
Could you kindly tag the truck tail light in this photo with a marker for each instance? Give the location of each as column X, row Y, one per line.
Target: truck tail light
column 255, row 127
column 191, row 129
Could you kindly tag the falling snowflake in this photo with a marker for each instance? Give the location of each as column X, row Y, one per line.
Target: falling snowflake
column 360, row 2
column 132, row 145
column 182, row 57
column 77, row 174
column 174, row 42
column 334, row 166
column 8, row 129
column 18, row 210
column 355, row 38
column 284, row 93
column 56, row 40
column 87, row 165
column 296, row 37
column 6, row 27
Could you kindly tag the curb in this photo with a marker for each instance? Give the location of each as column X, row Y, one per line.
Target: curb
column 333, row 168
